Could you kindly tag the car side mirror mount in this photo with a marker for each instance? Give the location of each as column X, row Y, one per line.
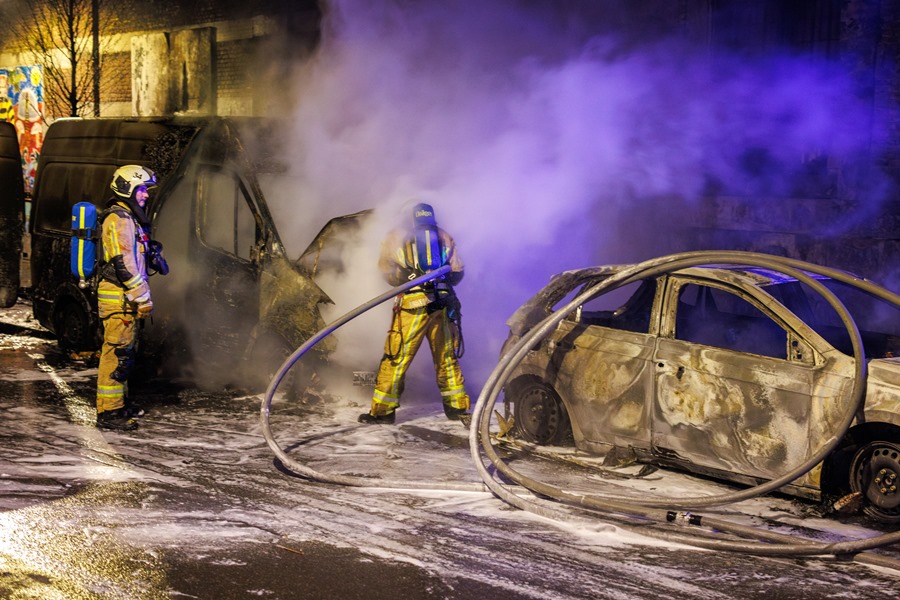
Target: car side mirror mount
column 798, row 350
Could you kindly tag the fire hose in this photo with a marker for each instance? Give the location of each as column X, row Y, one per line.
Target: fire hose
column 349, row 480
column 646, row 516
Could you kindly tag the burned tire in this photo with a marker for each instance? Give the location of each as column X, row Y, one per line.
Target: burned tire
column 541, row 416
column 73, row 330
column 875, row 472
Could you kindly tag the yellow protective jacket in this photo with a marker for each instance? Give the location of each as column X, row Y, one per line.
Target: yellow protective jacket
column 398, row 260
column 123, row 281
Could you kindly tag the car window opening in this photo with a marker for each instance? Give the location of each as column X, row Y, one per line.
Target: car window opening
column 627, row 308
column 714, row 317
column 878, row 321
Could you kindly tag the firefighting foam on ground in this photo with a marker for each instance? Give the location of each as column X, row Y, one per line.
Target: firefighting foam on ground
column 193, row 505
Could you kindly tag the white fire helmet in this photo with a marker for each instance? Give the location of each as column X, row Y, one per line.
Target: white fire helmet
column 127, row 178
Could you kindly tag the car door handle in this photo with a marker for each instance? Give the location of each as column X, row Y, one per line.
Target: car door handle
column 678, row 374
column 564, row 346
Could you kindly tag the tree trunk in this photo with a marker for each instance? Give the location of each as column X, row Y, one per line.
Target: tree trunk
column 95, row 54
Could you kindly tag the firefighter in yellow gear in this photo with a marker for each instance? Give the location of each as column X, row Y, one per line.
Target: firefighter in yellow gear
column 123, row 293
column 428, row 312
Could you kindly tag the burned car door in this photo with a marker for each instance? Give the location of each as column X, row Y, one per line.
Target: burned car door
column 209, row 301
column 737, row 389
column 227, row 235
column 602, row 356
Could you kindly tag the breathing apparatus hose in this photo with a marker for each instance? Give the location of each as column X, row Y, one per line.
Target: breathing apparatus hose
column 452, row 308
column 479, row 436
column 349, row 480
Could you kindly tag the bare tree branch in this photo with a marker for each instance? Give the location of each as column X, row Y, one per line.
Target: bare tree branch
column 58, row 34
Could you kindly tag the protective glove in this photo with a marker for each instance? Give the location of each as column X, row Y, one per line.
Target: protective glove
column 155, row 258
column 144, row 309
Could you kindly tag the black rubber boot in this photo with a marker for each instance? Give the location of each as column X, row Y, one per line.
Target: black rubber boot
column 456, row 414
column 370, row 419
column 117, row 420
column 132, row 410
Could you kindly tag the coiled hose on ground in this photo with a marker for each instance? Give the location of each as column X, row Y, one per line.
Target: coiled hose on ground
column 651, row 517
column 349, row 480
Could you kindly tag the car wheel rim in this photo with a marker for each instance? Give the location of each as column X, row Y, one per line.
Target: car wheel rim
column 538, row 415
column 875, row 472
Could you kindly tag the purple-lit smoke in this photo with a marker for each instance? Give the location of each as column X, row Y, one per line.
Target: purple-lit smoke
column 537, row 142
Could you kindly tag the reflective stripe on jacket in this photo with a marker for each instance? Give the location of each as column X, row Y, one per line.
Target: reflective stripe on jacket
column 121, row 235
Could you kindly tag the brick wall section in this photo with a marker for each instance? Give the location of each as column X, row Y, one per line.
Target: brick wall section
column 165, row 15
column 115, row 82
column 235, row 65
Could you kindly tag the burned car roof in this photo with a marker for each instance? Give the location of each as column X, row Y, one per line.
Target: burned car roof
column 541, row 304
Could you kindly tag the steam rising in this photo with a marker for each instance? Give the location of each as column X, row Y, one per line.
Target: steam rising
column 545, row 141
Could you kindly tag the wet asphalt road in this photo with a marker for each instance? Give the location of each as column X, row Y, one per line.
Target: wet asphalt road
column 192, row 505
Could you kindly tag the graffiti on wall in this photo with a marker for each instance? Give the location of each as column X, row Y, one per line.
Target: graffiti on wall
column 22, row 104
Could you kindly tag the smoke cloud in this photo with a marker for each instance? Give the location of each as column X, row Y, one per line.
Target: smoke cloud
column 545, row 139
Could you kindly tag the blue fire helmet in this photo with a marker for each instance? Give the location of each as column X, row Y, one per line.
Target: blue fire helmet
column 423, row 215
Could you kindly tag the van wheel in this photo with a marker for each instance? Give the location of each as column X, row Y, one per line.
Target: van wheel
column 72, row 326
column 541, row 417
column 875, row 472
column 269, row 352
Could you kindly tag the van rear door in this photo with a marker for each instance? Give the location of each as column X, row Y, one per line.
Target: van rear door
column 12, row 211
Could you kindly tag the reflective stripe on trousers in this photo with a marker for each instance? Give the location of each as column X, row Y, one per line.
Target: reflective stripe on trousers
column 119, row 331
column 408, row 329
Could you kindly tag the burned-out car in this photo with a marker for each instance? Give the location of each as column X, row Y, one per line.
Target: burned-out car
column 731, row 371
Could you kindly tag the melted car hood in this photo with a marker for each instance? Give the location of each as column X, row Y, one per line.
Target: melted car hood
column 539, row 306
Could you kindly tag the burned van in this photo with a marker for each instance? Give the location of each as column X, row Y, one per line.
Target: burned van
column 232, row 299
column 12, row 207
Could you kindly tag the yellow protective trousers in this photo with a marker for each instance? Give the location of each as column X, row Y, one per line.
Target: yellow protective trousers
column 409, row 327
column 120, row 327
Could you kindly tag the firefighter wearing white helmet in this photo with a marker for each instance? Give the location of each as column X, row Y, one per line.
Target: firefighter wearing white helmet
column 123, row 294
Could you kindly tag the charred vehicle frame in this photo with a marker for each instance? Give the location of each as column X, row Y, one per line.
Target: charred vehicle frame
column 736, row 372
column 232, row 299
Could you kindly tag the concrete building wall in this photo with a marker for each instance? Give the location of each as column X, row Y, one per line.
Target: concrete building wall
column 174, row 72
column 150, row 74
column 841, row 197
column 204, row 56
